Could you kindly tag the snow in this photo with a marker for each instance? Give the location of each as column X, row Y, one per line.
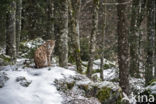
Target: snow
column 98, row 62
column 152, row 88
column 34, row 43
column 108, row 74
column 114, row 86
column 40, row 91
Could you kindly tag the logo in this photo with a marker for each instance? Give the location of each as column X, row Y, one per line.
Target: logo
column 133, row 99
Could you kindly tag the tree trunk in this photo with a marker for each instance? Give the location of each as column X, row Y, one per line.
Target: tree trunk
column 150, row 41
column 123, row 57
column 155, row 36
column 103, row 39
column 93, row 38
column 61, row 30
column 32, row 19
column 18, row 23
column 11, row 31
column 74, row 12
column 134, row 40
column 50, row 19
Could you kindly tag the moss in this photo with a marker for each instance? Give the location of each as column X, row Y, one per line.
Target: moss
column 107, row 66
column 115, row 80
column 6, row 60
column 103, row 94
column 152, row 82
column 84, row 87
column 70, row 85
column 96, row 71
column 5, row 57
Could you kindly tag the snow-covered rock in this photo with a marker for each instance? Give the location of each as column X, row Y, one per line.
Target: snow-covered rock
column 152, row 88
column 137, row 85
column 81, row 88
column 28, row 47
column 23, row 81
column 41, row 90
column 4, row 60
column 3, row 79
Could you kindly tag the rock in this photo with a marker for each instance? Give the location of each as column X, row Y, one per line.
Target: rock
column 23, row 81
column 82, row 89
column 3, row 79
column 5, row 60
column 83, row 101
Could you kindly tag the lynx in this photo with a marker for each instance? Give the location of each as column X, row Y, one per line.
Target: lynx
column 43, row 54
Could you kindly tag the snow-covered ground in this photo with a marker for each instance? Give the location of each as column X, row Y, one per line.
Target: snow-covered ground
column 38, row 86
column 40, row 91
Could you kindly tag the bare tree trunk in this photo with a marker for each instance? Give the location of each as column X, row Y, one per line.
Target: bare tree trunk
column 74, row 11
column 32, row 19
column 155, row 35
column 50, row 19
column 18, row 23
column 61, row 30
column 93, row 38
column 150, row 41
column 11, row 31
column 103, row 39
column 123, row 56
column 134, row 40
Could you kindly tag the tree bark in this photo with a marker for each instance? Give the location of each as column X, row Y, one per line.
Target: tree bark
column 18, row 23
column 103, row 39
column 155, row 36
column 93, row 38
column 134, row 40
column 150, row 41
column 11, row 31
column 50, row 19
column 123, row 56
column 74, row 12
column 61, row 30
column 32, row 19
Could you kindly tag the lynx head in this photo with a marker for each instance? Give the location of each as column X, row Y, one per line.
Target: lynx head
column 51, row 43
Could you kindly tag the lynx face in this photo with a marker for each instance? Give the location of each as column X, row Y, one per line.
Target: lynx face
column 43, row 54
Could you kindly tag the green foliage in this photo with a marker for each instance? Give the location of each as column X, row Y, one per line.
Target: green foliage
column 103, row 94
column 152, row 82
column 27, row 48
column 5, row 58
column 4, row 5
column 84, row 49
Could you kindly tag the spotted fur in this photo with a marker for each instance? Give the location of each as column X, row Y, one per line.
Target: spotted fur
column 43, row 54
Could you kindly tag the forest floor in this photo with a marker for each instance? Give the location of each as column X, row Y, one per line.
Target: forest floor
column 56, row 85
column 23, row 84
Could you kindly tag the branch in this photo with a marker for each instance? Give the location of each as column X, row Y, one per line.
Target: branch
column 124, row 3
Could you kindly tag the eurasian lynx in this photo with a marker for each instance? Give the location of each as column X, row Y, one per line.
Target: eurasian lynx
column 43, row 54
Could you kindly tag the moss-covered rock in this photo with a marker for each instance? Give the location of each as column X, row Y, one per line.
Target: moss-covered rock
column 5, row 60
column 23, row 81
column 107, row 95
column 103, row 94
column 3, row 79
column 70, row 85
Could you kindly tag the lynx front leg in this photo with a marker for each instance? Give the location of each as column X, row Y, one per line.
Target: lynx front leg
column 49, row 60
